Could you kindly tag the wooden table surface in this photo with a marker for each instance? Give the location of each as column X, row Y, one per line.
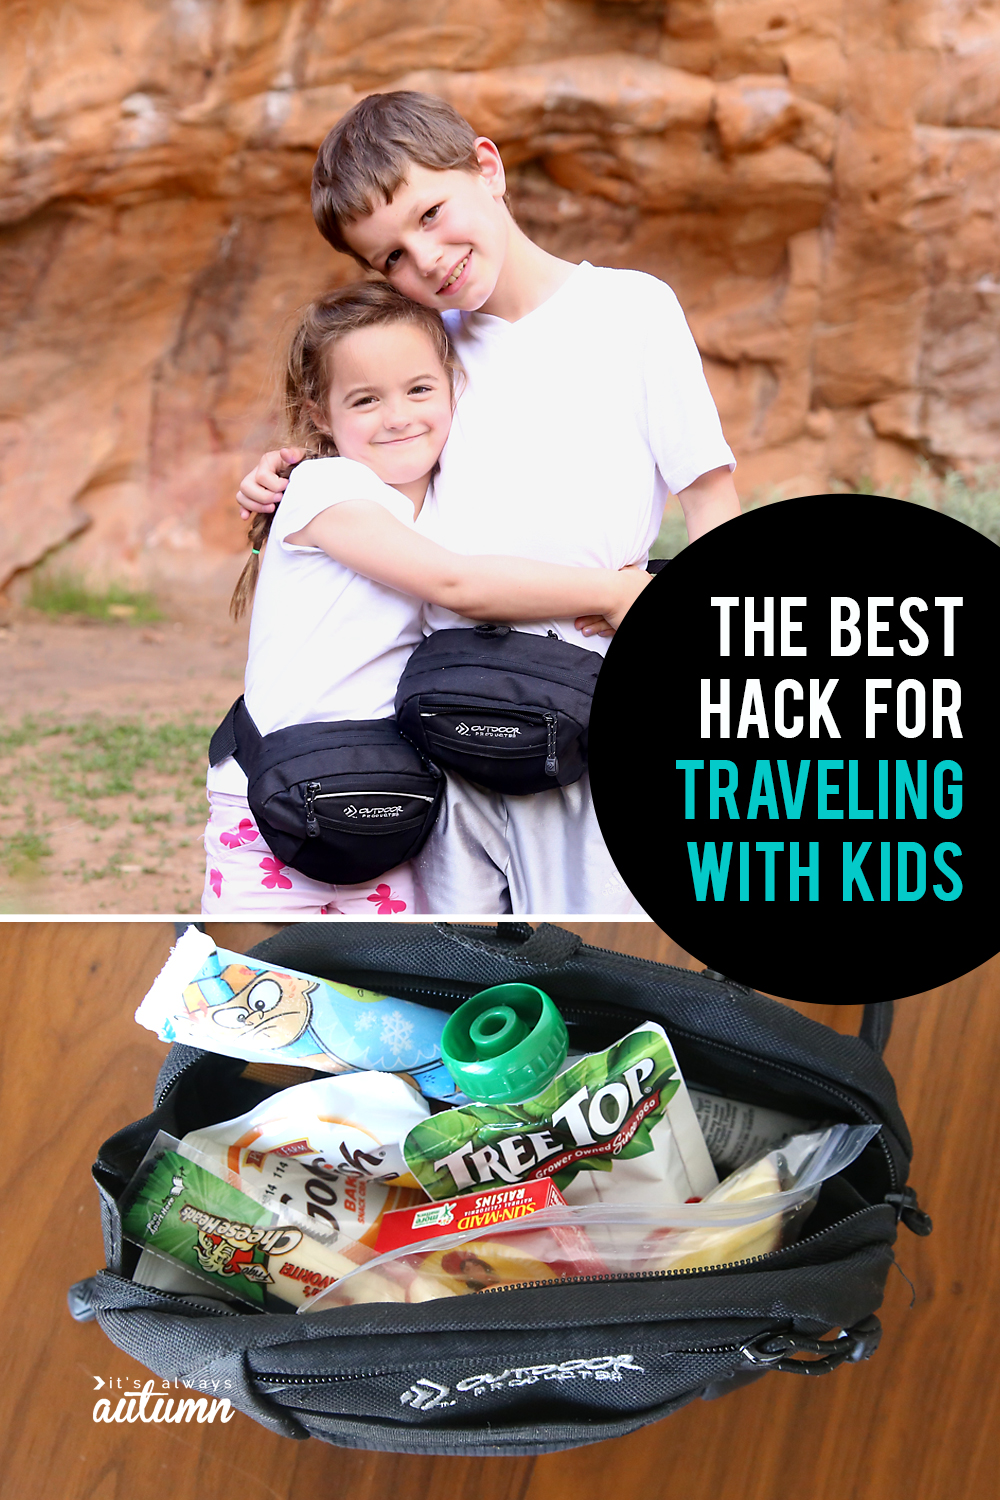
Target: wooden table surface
column 919, row 1422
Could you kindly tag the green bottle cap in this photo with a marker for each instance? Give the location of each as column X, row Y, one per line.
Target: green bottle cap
column 505, row 1044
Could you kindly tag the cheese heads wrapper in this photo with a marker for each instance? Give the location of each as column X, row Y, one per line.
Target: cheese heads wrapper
column 189, row 1218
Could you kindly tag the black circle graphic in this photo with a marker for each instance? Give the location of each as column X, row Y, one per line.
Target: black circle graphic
column 860, row 711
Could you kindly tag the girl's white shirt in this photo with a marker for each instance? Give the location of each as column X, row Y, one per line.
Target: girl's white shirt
column 326, row 643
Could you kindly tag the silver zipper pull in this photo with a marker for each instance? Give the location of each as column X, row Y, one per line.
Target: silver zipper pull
column 551, row 759
column 312, row 825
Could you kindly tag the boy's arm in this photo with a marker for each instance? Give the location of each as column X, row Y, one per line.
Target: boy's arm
column 363, row 535
column 263, row 487
column 709, row 501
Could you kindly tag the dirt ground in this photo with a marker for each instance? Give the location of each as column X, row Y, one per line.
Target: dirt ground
column 104, row 732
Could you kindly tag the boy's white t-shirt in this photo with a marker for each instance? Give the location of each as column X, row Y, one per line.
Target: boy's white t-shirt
column 326, row 643
column 575, row 423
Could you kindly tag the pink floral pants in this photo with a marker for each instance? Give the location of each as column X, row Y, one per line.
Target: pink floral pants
column 242, row 876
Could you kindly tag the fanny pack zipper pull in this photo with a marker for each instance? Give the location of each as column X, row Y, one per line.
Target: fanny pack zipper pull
column 312, row 824
column 551, row 759
column 909, row 1212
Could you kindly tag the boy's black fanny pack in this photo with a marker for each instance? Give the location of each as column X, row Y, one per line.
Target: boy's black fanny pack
column 507, row 710
column 341, row 802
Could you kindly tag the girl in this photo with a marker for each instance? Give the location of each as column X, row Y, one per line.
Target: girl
column 370, row 386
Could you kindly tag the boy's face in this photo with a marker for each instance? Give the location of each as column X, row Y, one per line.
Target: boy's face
column 389, row 404
column 443, row 238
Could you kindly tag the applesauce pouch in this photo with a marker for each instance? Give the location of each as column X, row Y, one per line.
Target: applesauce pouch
column 615, row 1127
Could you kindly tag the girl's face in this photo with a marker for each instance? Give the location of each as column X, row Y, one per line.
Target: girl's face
column 389, row 405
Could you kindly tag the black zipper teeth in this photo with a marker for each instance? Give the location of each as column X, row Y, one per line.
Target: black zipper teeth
column 371, row 792
column 529, row 716
column 296, row 1379
column 551, row 760
column 803, row 1075
column 723, row 1267
column 162, row 1093
column 211, row 1312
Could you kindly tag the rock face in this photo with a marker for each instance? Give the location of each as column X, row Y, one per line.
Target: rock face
column 818, row 180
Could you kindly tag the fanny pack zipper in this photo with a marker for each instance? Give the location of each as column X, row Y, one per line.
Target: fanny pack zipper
column 522, row 1286
column 315, row 793
column 210, row 1312
column 528, row 716
column 297, row 1379
column 691, row 1271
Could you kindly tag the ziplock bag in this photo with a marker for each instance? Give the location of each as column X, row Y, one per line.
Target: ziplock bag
column 748, row 1214
column 537, row 1369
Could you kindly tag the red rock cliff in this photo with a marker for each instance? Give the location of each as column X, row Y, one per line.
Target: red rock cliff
column 817, row 180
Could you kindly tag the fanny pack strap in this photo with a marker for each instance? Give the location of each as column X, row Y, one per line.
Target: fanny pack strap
column 237, row 736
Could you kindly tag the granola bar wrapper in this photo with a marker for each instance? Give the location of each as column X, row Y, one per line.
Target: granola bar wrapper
column 240, row 1006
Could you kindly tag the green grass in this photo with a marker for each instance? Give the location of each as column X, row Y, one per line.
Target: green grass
column 21, row 852
column 61, row 593
column 975, row 501
column 144, row 780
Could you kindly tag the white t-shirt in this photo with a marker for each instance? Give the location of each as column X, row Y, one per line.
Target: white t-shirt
column 576, row 421
column 325, row 642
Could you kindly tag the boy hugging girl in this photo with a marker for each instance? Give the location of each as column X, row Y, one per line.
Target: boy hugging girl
column 491, row 434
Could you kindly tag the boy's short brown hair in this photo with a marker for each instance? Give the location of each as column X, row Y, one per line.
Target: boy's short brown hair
column 368, row 154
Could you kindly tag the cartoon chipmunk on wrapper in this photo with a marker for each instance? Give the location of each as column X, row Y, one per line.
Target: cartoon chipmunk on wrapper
column 270, row 1012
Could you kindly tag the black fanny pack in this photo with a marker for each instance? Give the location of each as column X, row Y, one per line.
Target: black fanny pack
column 340, row 802
column 507, row 710
column 556, row 1364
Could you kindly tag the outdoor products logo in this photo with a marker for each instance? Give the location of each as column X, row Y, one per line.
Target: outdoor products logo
column 162, row 1402
column 426, row 1394
column 489, row 731
column 389, row 811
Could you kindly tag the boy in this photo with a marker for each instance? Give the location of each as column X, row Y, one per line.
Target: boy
column 585, row 403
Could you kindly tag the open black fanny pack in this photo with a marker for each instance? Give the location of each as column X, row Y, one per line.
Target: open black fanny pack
column 537, row 1369
column 341, row 802
column 504, row 708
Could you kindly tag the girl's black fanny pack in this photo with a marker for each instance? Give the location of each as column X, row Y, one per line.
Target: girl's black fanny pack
column 505, row 709
column 341, row 802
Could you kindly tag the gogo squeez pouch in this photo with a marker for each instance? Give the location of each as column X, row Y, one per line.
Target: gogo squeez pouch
column 614, row 1127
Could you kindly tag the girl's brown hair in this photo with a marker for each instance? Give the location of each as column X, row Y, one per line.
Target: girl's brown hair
column 365, row 304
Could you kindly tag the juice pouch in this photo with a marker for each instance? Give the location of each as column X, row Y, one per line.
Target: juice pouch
column 614, row 1127
column 241, row 1007
column 184, row 1213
